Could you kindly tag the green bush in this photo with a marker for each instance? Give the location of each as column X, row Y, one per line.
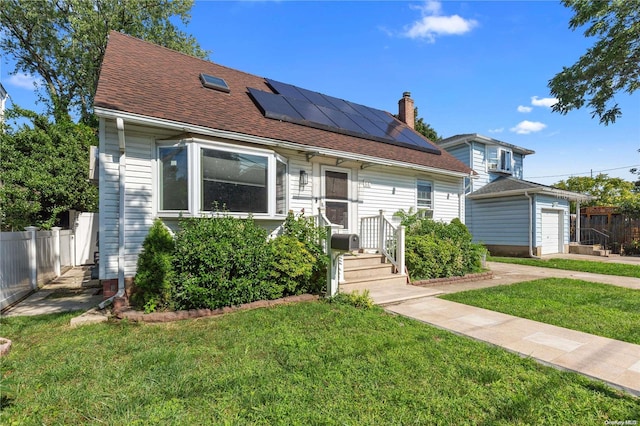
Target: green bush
column 224, row 261
column 305, row 230
column 291, row 264
column 220, row 261
column 355, row 298
column 154, row 270
column 438, row 250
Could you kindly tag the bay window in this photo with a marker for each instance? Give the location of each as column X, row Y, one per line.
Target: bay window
column 221, row 177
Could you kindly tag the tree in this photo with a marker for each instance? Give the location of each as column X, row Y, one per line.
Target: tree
column 612, row 65
column 44, row 171
column 425, row 129
column 63, row 42
column 607, row 191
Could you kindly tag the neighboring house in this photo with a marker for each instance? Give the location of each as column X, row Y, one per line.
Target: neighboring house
column 509, row 215
column 3, row 101
column 180, row 136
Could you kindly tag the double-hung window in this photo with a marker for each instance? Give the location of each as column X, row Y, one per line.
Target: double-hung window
column 198, row 176
column 424, row 195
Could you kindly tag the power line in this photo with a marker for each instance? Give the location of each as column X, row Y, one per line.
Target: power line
column 584, row 173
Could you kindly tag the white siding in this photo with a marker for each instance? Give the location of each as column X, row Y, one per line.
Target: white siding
column 500, row 221
column 392, row 191
column 300, row 197
column 139, row 207
column 109, row 199
column 447, row 200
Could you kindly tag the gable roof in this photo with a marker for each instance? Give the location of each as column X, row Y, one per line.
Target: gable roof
column 469, row 137
column 507, row 186
column 141, row 79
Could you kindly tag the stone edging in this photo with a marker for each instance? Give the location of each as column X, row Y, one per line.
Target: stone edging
column 158, row 317
column 454, row 280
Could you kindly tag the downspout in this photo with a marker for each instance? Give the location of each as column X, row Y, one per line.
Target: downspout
column 121, row 213
column 526, row 194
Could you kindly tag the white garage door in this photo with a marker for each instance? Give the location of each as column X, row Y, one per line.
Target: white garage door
column 551, row 231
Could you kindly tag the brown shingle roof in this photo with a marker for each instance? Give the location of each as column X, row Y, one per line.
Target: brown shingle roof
column 142, row 78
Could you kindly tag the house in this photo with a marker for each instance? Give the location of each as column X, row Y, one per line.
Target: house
column 184, row 136
column 509, row 215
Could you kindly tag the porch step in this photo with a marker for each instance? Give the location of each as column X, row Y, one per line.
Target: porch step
column 382, row 281
column 368, row 270
column 588, row 249
column 363, row 260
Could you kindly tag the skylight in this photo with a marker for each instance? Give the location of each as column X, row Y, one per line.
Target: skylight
column 215, row 83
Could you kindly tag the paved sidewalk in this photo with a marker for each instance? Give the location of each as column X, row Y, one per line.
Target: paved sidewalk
column 72, row 291
column 614, row 362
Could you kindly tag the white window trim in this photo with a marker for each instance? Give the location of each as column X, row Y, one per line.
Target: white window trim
column 194, row 147
column 422, row 208
column 499, row 166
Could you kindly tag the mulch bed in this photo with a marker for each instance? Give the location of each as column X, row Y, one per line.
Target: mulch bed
column 125, row 312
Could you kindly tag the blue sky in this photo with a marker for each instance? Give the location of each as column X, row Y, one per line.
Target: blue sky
column 471, row 67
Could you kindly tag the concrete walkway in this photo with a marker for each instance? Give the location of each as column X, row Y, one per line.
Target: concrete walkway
column 614, row 362
column 72, row 291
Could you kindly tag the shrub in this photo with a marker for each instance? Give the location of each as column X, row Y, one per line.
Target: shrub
column 355, row 298
column 437, row 250
column 291, row 264
column 154, row 270
column 221, row 261
column 305, row 230
column 632, row 248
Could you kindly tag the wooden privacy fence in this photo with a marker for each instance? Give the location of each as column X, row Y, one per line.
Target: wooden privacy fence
column 31, row 258
column 620, row 229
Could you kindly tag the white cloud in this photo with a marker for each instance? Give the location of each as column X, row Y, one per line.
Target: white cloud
column 522, row 108
column 543, row 102
column 498, row 130
column 23, row 81
column 433, row 24
column 525, row 127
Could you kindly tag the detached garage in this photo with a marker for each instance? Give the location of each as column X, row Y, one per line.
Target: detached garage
column 514, row 217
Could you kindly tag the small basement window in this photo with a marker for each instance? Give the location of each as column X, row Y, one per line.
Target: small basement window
column 215, row 83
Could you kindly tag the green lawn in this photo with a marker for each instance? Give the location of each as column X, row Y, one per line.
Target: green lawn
column 306, row 363
column 599, row 309
column 606, row 268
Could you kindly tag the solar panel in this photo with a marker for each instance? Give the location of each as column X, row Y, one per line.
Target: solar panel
column 285, row 89
column 310, row 112
column 313, row 109
column 369, row 126
column 274, row 106
column 342, row 120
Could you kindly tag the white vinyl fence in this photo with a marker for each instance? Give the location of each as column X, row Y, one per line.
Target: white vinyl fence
column 32, row 258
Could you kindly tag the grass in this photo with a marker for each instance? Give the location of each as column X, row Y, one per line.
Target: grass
column 606, row 268
column 307, row 363
column 593, row 308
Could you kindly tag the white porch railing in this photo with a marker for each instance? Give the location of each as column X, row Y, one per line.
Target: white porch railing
column 378, row 233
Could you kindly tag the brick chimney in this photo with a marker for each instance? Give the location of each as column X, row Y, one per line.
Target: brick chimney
column 405, row 110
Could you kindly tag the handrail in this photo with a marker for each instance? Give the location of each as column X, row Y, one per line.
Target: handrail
column 378, row 233
column 604, row 237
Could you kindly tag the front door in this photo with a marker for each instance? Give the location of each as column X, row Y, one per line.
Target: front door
column 336, row 196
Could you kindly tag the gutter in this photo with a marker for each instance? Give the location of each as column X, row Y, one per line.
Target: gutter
column 121, row 213
column 188, row 128
column 526, row 194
